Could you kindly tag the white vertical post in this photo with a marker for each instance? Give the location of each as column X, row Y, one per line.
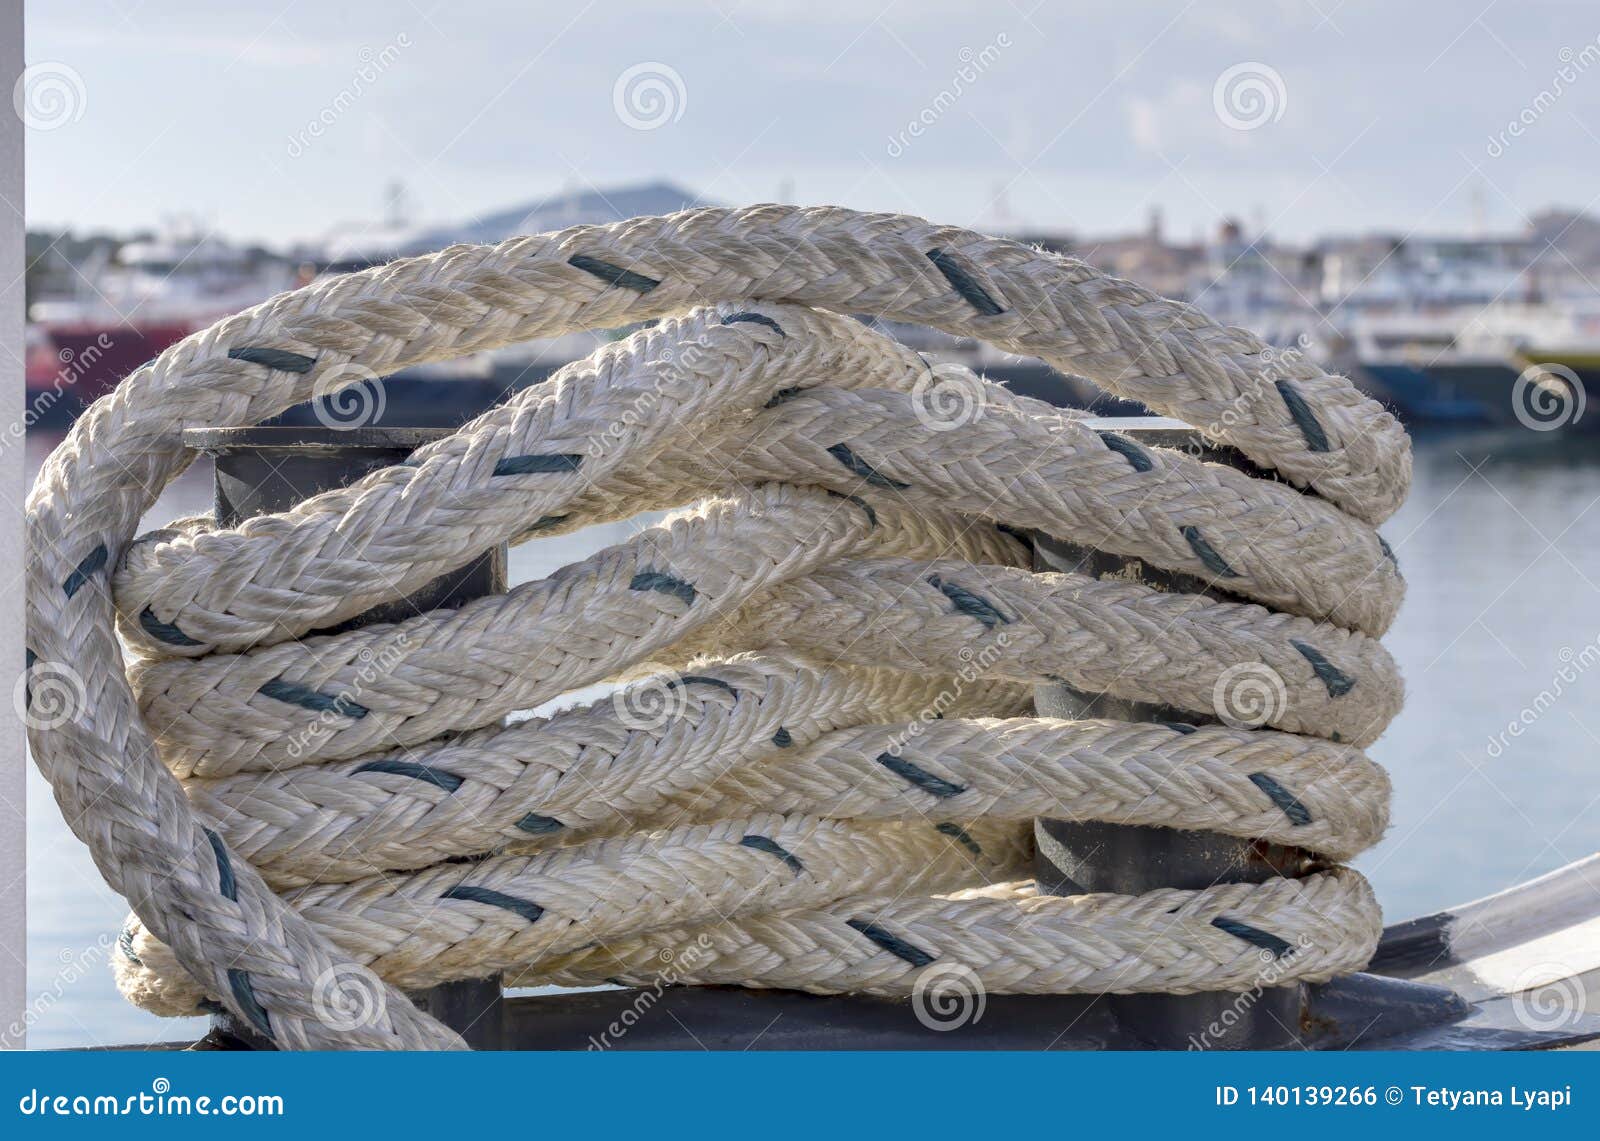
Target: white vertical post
column 13, row 761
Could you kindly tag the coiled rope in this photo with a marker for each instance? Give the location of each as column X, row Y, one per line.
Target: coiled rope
column 825, row 776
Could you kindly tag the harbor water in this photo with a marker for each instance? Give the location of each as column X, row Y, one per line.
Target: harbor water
column 1495, row 760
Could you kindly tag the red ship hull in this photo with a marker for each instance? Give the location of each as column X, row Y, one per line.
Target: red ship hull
column 87, row 361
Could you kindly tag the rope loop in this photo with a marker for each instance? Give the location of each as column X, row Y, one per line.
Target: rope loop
column 820, row 769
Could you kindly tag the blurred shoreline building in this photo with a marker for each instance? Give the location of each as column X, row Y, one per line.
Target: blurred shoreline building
column 1439, row 326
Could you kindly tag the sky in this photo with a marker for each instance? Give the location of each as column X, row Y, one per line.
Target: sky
column 285, row 120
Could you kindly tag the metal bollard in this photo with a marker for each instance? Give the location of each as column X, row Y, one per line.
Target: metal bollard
column 261, row 470
column 264, row 470
column 1074, row 858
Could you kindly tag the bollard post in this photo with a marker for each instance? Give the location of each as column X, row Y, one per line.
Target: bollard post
column 1074, row 858
column 262, row 470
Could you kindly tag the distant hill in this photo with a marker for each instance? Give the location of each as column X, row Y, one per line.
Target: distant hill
column 572, row 208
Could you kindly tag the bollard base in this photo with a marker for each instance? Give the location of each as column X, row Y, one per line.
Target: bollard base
column 260, row 470
column 473, row 1008
column 1074, row 858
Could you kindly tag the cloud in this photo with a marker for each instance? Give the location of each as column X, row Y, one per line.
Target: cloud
column 1178, row 120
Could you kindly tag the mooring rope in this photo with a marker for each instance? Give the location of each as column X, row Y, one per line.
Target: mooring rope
column 822, row 770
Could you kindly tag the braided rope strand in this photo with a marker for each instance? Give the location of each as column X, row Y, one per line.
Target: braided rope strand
column 340, row 552
column 860, row 544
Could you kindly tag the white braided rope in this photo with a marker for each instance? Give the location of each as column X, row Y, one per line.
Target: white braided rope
column 707, row 751
column 340, row 552
column 786, row 552
column 600, row 770
column 757, row 819
column 1014, row 940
